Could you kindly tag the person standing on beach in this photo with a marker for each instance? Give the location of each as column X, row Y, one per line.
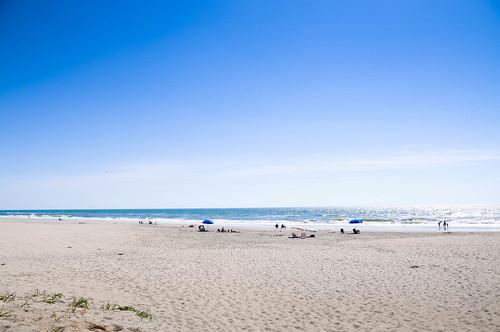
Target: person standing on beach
column 439, row 224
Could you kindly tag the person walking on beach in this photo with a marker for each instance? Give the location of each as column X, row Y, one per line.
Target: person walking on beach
column 439, row 224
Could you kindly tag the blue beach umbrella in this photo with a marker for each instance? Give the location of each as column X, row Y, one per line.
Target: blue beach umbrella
column 207, row 222
column 356, row 221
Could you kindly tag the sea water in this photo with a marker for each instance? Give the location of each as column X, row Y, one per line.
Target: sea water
column 484, row 218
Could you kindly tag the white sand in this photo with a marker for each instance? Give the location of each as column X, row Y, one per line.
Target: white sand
column 254, row 280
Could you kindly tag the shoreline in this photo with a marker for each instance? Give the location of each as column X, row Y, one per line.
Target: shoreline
column 266, row 225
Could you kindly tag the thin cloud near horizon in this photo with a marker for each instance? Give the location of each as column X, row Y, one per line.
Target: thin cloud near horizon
column 403, row 160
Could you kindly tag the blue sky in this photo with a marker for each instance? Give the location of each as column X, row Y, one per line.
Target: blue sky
column 130, row 104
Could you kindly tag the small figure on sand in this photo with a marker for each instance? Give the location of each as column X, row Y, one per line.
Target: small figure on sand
column 342, row 230
column 276, row 226
column 283, row 226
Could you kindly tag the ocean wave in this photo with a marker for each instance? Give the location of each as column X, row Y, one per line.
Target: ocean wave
column 270, row 216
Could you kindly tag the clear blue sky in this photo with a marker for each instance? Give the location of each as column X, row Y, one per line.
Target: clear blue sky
column 141, row 104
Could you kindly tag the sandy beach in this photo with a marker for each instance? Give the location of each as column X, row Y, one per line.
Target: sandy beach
column 173, row 278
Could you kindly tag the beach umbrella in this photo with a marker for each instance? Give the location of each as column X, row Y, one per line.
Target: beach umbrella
column 207, row 222
column 356, row 221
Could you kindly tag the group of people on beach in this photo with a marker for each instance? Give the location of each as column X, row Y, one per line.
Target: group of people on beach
column 202, row 228
column 278, row 226
column 222, row 230
column 444, row 223
column 354, row 231
column 149, row 222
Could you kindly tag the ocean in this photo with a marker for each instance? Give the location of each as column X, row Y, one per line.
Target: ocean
column 485, row 218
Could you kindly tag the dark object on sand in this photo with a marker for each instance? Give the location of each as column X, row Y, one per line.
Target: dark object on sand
column 342, row 230
column 202, row 228
column 283, row 226
column 415, row 266
column 356, row 231
column 312, row 235
column 276, row 226
column 120, row 254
